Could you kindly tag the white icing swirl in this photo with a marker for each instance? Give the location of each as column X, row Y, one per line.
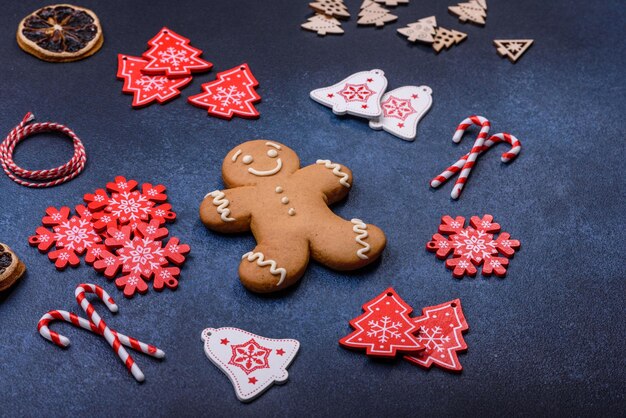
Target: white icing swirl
column 360, row 229
column 262, row 262
column 336, row 171
column 222, row 205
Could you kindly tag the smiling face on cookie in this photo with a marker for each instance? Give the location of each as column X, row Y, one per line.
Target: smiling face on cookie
column 256, row 161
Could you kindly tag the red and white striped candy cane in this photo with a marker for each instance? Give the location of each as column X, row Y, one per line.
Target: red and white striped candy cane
column 103, row 329
column 72, row 318
column 516, row 147
column 56, row 176
column 473, row 154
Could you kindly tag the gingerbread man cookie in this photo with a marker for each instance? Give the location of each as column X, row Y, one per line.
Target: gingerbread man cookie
column 286, row 208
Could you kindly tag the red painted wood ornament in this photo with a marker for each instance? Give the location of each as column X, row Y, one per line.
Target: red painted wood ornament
column 385, row 328
column 473, row 246
column 231, row 94
column 71, row 237
column 147, row 89
column 440, row 330
column 141, row 256
column 170, row 54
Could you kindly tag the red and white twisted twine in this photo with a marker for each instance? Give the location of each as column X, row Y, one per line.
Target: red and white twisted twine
column 54, row 176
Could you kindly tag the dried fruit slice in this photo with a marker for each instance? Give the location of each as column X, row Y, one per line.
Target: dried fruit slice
column 60, row 33
column 11, row 268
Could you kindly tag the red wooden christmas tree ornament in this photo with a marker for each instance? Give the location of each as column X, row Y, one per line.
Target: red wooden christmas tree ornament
column 146, row 88
column 170, row 54
column 231, row 94
column 440, row 330
column 384, row 328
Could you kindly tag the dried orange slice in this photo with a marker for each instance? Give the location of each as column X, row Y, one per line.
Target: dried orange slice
column 60, row 33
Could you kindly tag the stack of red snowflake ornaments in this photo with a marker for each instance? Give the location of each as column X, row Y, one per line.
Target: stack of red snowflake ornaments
column 386, row 329
column 120, row 231
column 167, row 66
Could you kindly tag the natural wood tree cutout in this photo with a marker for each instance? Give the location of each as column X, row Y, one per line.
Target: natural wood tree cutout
column 392, row 3
column 423, row 30
column 373, row 14
column 332, row 8
column 513, row 49
column 471, row 11
column 323, row 25
column 445, row 38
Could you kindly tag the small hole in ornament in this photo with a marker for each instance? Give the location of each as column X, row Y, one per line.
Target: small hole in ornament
column 165, row 31
column 389, row 294
column 124, row 59
column 242, row 68
column 431, row 244
column 453, row 305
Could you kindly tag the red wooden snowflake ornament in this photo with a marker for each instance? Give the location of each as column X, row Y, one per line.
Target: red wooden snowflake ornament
column 231, row 94
column 440, row 329
column 384, row 328
column 71, row 237
column 170, row 54
column 142, row 256
column 128, row 206
column 473, row 246
column 147, row 88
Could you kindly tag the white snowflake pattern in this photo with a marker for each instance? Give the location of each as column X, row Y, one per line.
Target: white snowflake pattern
column 228, row 96
column 433, row 338
column 474, row 244
column 148, row 83
column 173, row 56
column 398, row 108
column 384, row 329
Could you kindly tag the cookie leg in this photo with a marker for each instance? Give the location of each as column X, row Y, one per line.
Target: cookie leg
column 271, row 267
column 347, row 245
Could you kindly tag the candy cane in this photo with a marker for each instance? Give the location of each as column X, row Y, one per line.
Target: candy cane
column 72, row 318
column 473, row 154
column 103, row 329
column 57, row 175
column 508, row 156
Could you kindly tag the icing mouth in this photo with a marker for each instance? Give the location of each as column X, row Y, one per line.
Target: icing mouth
column 279, row 165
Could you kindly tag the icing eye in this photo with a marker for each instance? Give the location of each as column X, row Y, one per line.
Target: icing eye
column 272, row 153
column 247, row 159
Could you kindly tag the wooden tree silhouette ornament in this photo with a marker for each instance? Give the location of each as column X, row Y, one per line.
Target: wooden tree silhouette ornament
column 373, row 14
column 323, row 25
column 423, row 30
column 513, row 49
column 331, row 8
column 472, row 11
column 445, row 38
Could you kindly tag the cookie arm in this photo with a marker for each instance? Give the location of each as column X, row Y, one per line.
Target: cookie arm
column 332, row 179
column 227, row 210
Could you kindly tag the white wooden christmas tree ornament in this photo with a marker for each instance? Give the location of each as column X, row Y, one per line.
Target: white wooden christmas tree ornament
column 423, row 30
column 323, row 25
column 513, row 49
column 358, row 94
column 402, row 109
column 251, row 362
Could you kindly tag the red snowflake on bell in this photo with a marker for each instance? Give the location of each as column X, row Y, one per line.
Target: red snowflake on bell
column 473, row 246
column 143, row 256
column 356, row 92
column 250, row 356
column 71, row 236
column 397, row 108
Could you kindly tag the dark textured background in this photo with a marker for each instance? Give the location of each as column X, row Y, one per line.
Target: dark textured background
column 547, row 339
